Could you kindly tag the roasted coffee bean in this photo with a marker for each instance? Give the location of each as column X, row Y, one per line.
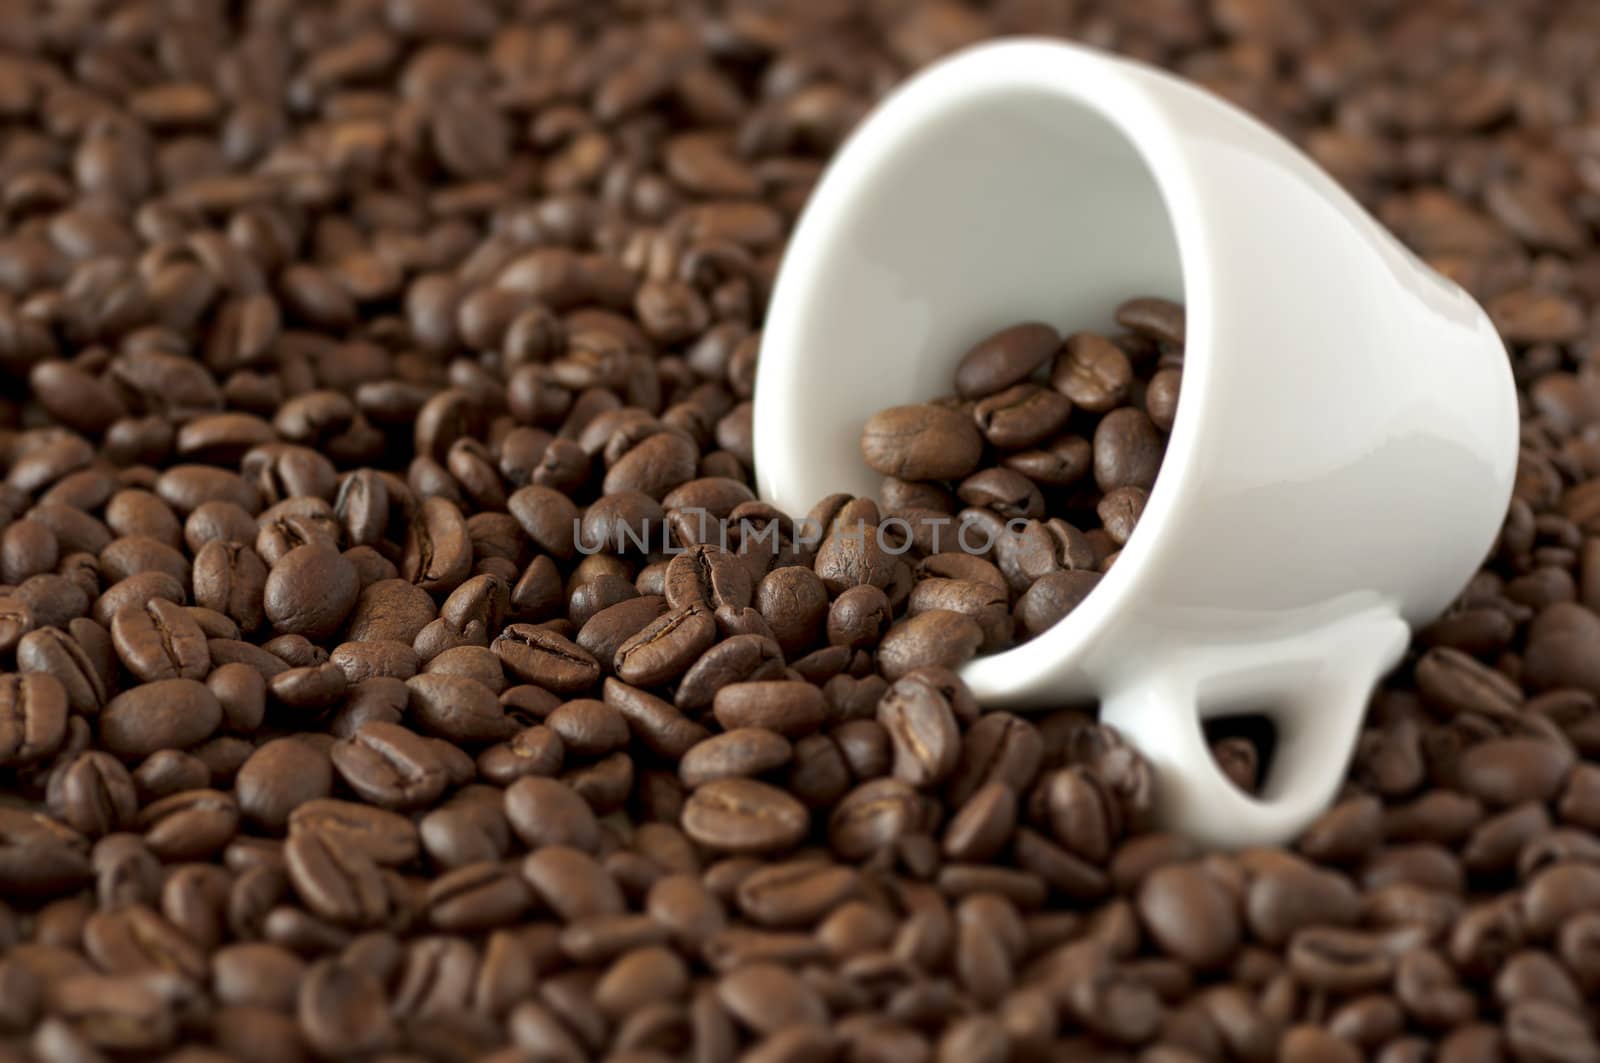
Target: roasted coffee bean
column 1508, row 771
column 1005, row 358
column 546, row 811
column 388, row 838
column 189, row 825
column 1159, row 319
column 921, row 443
column 799, row 893
column 1190, row 914
column 342, row 1010
column 458, row 708
column 279, row 777
column 309, row 591
column 665, row 648
column 1051, row 598
column 937, row 638
column 538, row 655
column 33, row 717
column 604, row 632
column 390, row 766
column 767, row 997
column 983, row 825
column 438, row 548
column 736, row 659
column 339, row 884
column 165, row 714
column 739, row 751
column 744, row 816
column 230, row 578
column 789, row 707
column 54, row 652
column 1021, row 416
column 1287, row 895
column 873, row 815
column 93, row 794
column 571, row 883
column 922, row 728
column 654, row 722
column 1093, row 372
column 390, row 610
column 159, row 640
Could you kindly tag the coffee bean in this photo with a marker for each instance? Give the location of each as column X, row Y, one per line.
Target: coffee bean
column 339, row 884
column 1003, row 359
column 538, row 655
column 665, row 648
column 165, row 714
column 1190, row 914
column 1507, row 771
column 279, row 777
column 604, row 632
column 922, row 729
column 1051, row 598
column 998, row 747
column 1127, row 450
column 189, row 825
column 739, row 751
column 736, row 659
column 390, row 610
column 1021, row 416
column 53, row 652
column 1344, row 961
column 744, row 816
column 571, row 883
column 438, row 547
column 458, row 708
column 937, row 638
column 390, row 766
column 1458, row 683
column 873, row 815
column 342, row 1011
column 799, row 893
column 1093, row 372
column 93, row 794
column 1289, row 895
column 789, row 707
column 767, row 997
column 983, row 825
column 388, row 838
column 655, row 722
column 309, row 591
column 921, row 443
column 547, row 812
column 33, row 717
column 1160, row 319
column 160, row 641
column 230, row 578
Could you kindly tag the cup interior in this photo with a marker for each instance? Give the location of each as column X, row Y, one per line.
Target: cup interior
column 952, row 214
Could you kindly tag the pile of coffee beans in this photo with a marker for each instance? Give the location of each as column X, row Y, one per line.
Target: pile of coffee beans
column 1050, row 476
column 361, row 361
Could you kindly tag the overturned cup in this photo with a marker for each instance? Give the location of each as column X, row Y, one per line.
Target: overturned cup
column 1343, row 451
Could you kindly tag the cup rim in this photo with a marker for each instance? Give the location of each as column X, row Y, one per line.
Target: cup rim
column 1119, row 93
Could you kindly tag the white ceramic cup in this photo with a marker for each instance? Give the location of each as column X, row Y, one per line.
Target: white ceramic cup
column 1345, row 440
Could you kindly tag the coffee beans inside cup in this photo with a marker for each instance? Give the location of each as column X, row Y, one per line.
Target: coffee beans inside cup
column 1017, row 492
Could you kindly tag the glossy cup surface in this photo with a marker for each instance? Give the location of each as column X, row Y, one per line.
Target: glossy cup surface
column 1345, row 440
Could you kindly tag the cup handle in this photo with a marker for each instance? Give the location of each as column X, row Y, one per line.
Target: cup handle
column 1313, row 687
